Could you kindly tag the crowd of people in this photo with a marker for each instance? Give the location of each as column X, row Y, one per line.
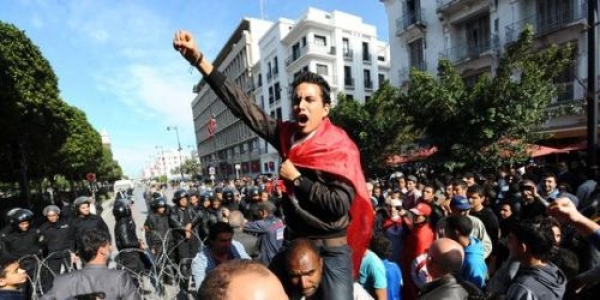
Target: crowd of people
column 321, row 230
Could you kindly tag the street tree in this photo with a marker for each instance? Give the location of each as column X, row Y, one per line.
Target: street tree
column 82, row 151
column 109, row 169
column 378, row 126
column 491, row 123
column 32, row 115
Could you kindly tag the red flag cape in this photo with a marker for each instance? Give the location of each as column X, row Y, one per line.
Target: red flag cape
column 331, row 150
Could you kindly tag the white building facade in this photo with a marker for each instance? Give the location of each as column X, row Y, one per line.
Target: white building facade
column 336, row 45
column 164, row 162
column 473, row 35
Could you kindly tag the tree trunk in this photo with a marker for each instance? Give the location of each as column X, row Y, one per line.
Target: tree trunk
column 24, row 162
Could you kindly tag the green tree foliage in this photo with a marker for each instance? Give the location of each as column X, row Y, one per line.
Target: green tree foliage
column 32, row 122
column 378, row 127
column 190, row 166
column 491, row 123
column 109, row 169
column 82, row 151
column 40, row 135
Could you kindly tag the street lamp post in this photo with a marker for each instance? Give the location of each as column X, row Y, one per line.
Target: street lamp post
column 169, row 128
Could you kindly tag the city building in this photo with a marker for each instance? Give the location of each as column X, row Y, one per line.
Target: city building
column 105, row 140
column 164, row 162
column 473, row 35
column 338, row 46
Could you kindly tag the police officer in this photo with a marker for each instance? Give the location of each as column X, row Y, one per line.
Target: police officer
column 182, row 220
column 156, row 226
column 58, row 239
column 23, row 242
column 229, row 200
column 249, row 205
column 127, row 241
column 86, row 221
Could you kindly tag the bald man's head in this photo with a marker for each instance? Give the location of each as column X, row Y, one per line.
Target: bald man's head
column 304, row 267
column 236, row 219
column 445, row 256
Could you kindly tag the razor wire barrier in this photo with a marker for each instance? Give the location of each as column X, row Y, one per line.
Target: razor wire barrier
column 161, row 278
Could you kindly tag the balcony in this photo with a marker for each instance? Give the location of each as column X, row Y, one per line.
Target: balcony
column 453, row 10
column 411, row 21
column 551, row 22
column 312, row 49
column 249, row 86
column 349, row 82
column 404, row 73
column 348, row 54
column 468, row 51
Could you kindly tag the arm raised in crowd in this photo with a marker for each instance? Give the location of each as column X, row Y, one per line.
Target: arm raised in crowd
column 566, row 212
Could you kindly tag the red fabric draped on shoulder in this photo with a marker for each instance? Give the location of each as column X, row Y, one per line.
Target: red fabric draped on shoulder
column 333, row 152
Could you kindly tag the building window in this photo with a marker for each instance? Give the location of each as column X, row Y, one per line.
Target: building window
column 380, row 78
column 366, row 53
column 413, row 12
column 259, row 80
column 554, row 13
column 275, row 66
column 348, row 80
column 367, row 77
column 271, row 96
column 304, row 41
column 295, row 51
column 320, row 40
column 349, row 97
column 478, row 35
column 415, row 54
column 277, row 91
column 322, row 69
column 269, row 72
column 278, row 113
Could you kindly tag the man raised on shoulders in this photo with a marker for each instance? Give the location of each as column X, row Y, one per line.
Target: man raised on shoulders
column 320, row 168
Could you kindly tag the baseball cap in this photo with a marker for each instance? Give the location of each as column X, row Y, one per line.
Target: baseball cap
column 421, row 209
column 412, row 178
column 460, row 202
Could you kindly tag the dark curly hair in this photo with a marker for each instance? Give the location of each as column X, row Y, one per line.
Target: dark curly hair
column 310, row 77
column 538, row 236
column 381, row 246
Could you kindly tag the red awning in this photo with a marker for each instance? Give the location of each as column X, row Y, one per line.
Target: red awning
column 539, row 150
column 577, row 146
column 416, row 155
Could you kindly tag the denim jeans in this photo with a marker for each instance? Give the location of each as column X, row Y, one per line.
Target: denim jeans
column 337, row 283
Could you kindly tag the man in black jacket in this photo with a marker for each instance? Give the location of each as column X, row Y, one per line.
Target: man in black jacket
column 58, row 240
column 23, row 242
column 127, row 242
column 183, row 219
column 86, row 221
column 317, row 202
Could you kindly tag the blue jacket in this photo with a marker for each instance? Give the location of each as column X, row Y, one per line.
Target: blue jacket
column 474, row 269
column 393, row 275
